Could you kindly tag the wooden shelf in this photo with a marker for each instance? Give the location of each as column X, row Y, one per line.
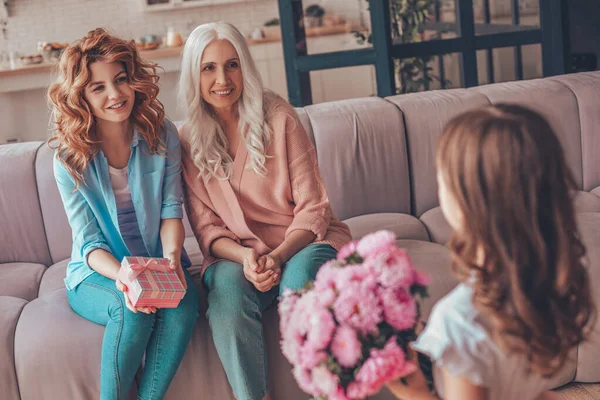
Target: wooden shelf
column 161, row 52
column 273, row 33
column 167, row 52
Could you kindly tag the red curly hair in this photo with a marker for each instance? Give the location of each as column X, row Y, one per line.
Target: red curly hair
column 74, row 129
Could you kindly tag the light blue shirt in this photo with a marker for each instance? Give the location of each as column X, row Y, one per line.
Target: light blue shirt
column 156, row 192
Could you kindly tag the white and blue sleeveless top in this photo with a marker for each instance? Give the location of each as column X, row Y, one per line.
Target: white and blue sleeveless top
column 128, row 222
column 457, row 339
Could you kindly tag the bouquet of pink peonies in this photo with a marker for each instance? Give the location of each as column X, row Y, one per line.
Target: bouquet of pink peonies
column 347, row 334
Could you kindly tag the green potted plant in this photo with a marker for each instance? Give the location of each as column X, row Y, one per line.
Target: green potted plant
column 271, row 29
column 408, row 18
column 313, row 16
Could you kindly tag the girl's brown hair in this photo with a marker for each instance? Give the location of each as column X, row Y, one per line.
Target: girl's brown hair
column 506, row 169
column 74, row 130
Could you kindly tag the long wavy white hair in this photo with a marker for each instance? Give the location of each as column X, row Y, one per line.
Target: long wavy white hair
column 205, row 135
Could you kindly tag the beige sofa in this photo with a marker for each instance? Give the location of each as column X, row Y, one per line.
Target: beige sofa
column 377, row 160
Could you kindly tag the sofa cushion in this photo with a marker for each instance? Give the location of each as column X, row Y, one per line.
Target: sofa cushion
column 596, row 191
column 361, row 148
column 57, row 352
column 589, row 352
column 437, row 226
column 586, row 88
column 586, row 202
column 56, row 223
column 439, row 229
column 22, row 237
column 10, row 310
column 21, row 280
column 403, row 225
column 555, row 102
column 53, row 278
column 425, row 115
column 193, row 250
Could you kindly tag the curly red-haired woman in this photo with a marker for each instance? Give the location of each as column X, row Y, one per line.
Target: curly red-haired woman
column 117, row 166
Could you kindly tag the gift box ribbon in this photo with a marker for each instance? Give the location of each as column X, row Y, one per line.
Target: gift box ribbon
column 150, row 264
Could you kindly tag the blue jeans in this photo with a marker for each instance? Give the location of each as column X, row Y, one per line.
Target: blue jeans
column 163, row 336
column 235, row 310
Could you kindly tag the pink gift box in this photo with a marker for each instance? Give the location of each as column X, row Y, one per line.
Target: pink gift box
column 150, row 282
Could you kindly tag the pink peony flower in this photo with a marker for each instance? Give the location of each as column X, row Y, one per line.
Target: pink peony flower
column 325, row 383
column 358, row 391
column 399, row 308
column 326, row 297
column 346, row 347
column 291, row 345
column 359, row 308
column 339, row 394
column 328, row 276
column 347, row 250
column 286, row 307
column 373, row 242
column 422, row 278
column 304, row 309
column 356, row 275
column 309, row 357
column 320, row 328
column 393, row 267
column 383, row 365
column 346, row 303
column 304, row 379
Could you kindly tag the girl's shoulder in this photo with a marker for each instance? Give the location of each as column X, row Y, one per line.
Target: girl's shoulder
column 455, row 321
column 455, row 337
column 456, row 312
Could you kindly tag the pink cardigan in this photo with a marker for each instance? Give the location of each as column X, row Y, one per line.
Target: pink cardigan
column 261, row 211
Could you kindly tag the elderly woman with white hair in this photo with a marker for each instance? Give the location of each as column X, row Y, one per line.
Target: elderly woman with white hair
column 254, row 196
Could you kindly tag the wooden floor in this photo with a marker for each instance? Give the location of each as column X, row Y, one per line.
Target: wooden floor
column 580, row 391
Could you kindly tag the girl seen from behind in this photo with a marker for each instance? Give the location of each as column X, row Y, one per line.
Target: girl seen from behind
column 524, row 301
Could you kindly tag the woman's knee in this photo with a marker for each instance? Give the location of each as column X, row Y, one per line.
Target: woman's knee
column 303, row 267
column 224, row 276
column 141, row 321
column 119, row 313
column 231, row 298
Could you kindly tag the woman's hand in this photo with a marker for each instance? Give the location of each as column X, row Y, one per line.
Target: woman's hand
column 123, row 288
column 262, row 279
column 175, row 265
column 271, row 262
